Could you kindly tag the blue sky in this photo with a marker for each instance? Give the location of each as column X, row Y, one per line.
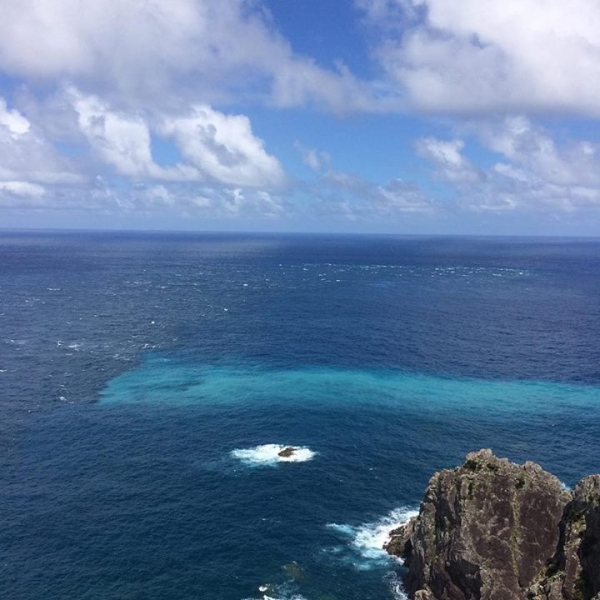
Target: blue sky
column 396, row 116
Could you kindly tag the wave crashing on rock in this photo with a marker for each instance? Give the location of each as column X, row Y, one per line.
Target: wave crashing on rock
column 272, row 454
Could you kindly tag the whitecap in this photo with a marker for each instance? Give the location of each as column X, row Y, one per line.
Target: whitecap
column 270, row 455
column 365, row 542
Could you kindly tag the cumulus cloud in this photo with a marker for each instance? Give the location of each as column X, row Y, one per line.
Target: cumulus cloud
column 447, row 156
column 486, row 56
column 532, row 172
column 223, row 148
column 12, row 121
column 168, row 52
column 27, row 156
column 574, row 162
column 119, row 140
column 214, row 147
column 223, row 169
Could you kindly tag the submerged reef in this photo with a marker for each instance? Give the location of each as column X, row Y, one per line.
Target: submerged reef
column 494, row 530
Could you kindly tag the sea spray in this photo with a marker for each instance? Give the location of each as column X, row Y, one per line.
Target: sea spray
column 364, row 543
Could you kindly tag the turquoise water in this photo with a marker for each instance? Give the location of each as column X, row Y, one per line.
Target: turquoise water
column 163, row 381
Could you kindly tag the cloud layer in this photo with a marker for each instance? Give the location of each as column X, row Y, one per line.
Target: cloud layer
column 149, row 52
column 219, row 153
column 532, row 171
column 486, row 56
column 467, row 56
column 151, row 106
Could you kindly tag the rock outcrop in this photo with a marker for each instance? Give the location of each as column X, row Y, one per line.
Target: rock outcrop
column 287, row 452
column 495, row 530
column 574, row 571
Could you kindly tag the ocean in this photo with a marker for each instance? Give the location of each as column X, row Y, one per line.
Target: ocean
column 148, row 382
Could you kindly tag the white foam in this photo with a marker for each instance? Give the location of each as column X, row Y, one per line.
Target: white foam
column 284, row 591
column 367, row 540
column 268, row 455
column 280, row 597
column 396, row 586
column 284, row 597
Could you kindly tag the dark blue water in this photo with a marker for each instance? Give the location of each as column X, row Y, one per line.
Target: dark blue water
column 144, row 378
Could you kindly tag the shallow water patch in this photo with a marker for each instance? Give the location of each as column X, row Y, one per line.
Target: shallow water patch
column 166, row 381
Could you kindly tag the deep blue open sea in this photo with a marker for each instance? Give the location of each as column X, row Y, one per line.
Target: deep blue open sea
column 147, row 382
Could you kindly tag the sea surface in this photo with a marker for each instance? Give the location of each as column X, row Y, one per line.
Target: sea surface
column 148, row 382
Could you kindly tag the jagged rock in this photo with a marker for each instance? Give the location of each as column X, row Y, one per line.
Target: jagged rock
column 485, row 531
column 574, row 572
column 399, row 538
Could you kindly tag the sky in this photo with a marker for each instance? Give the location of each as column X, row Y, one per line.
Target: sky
column 382, row 116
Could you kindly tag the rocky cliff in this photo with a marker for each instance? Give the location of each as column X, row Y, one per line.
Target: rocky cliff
column 495, row 530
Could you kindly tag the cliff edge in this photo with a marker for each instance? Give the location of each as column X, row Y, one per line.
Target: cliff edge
column 495, row 530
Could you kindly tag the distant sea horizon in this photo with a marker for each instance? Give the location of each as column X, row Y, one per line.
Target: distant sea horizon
column 292, row 233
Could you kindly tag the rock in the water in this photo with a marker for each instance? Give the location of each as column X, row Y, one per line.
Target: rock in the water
column 485, row 531
column 287, row 452
column 295, row 572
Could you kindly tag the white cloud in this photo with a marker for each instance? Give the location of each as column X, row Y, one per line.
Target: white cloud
column 188, row 201
column 167, row 52
column 534, row 171
column 447, row 156
column 22, row 188
column 214, row 147
column 398, row 196
column 27, row 156
column 16, row 124
column 487, row 56
column 223, row 148
column 533, row 149
column 463, row 56
column 223, row 171
column 119, row 140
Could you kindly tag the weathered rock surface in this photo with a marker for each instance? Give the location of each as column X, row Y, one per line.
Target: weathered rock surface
column 574, row 572
column 486, row 530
